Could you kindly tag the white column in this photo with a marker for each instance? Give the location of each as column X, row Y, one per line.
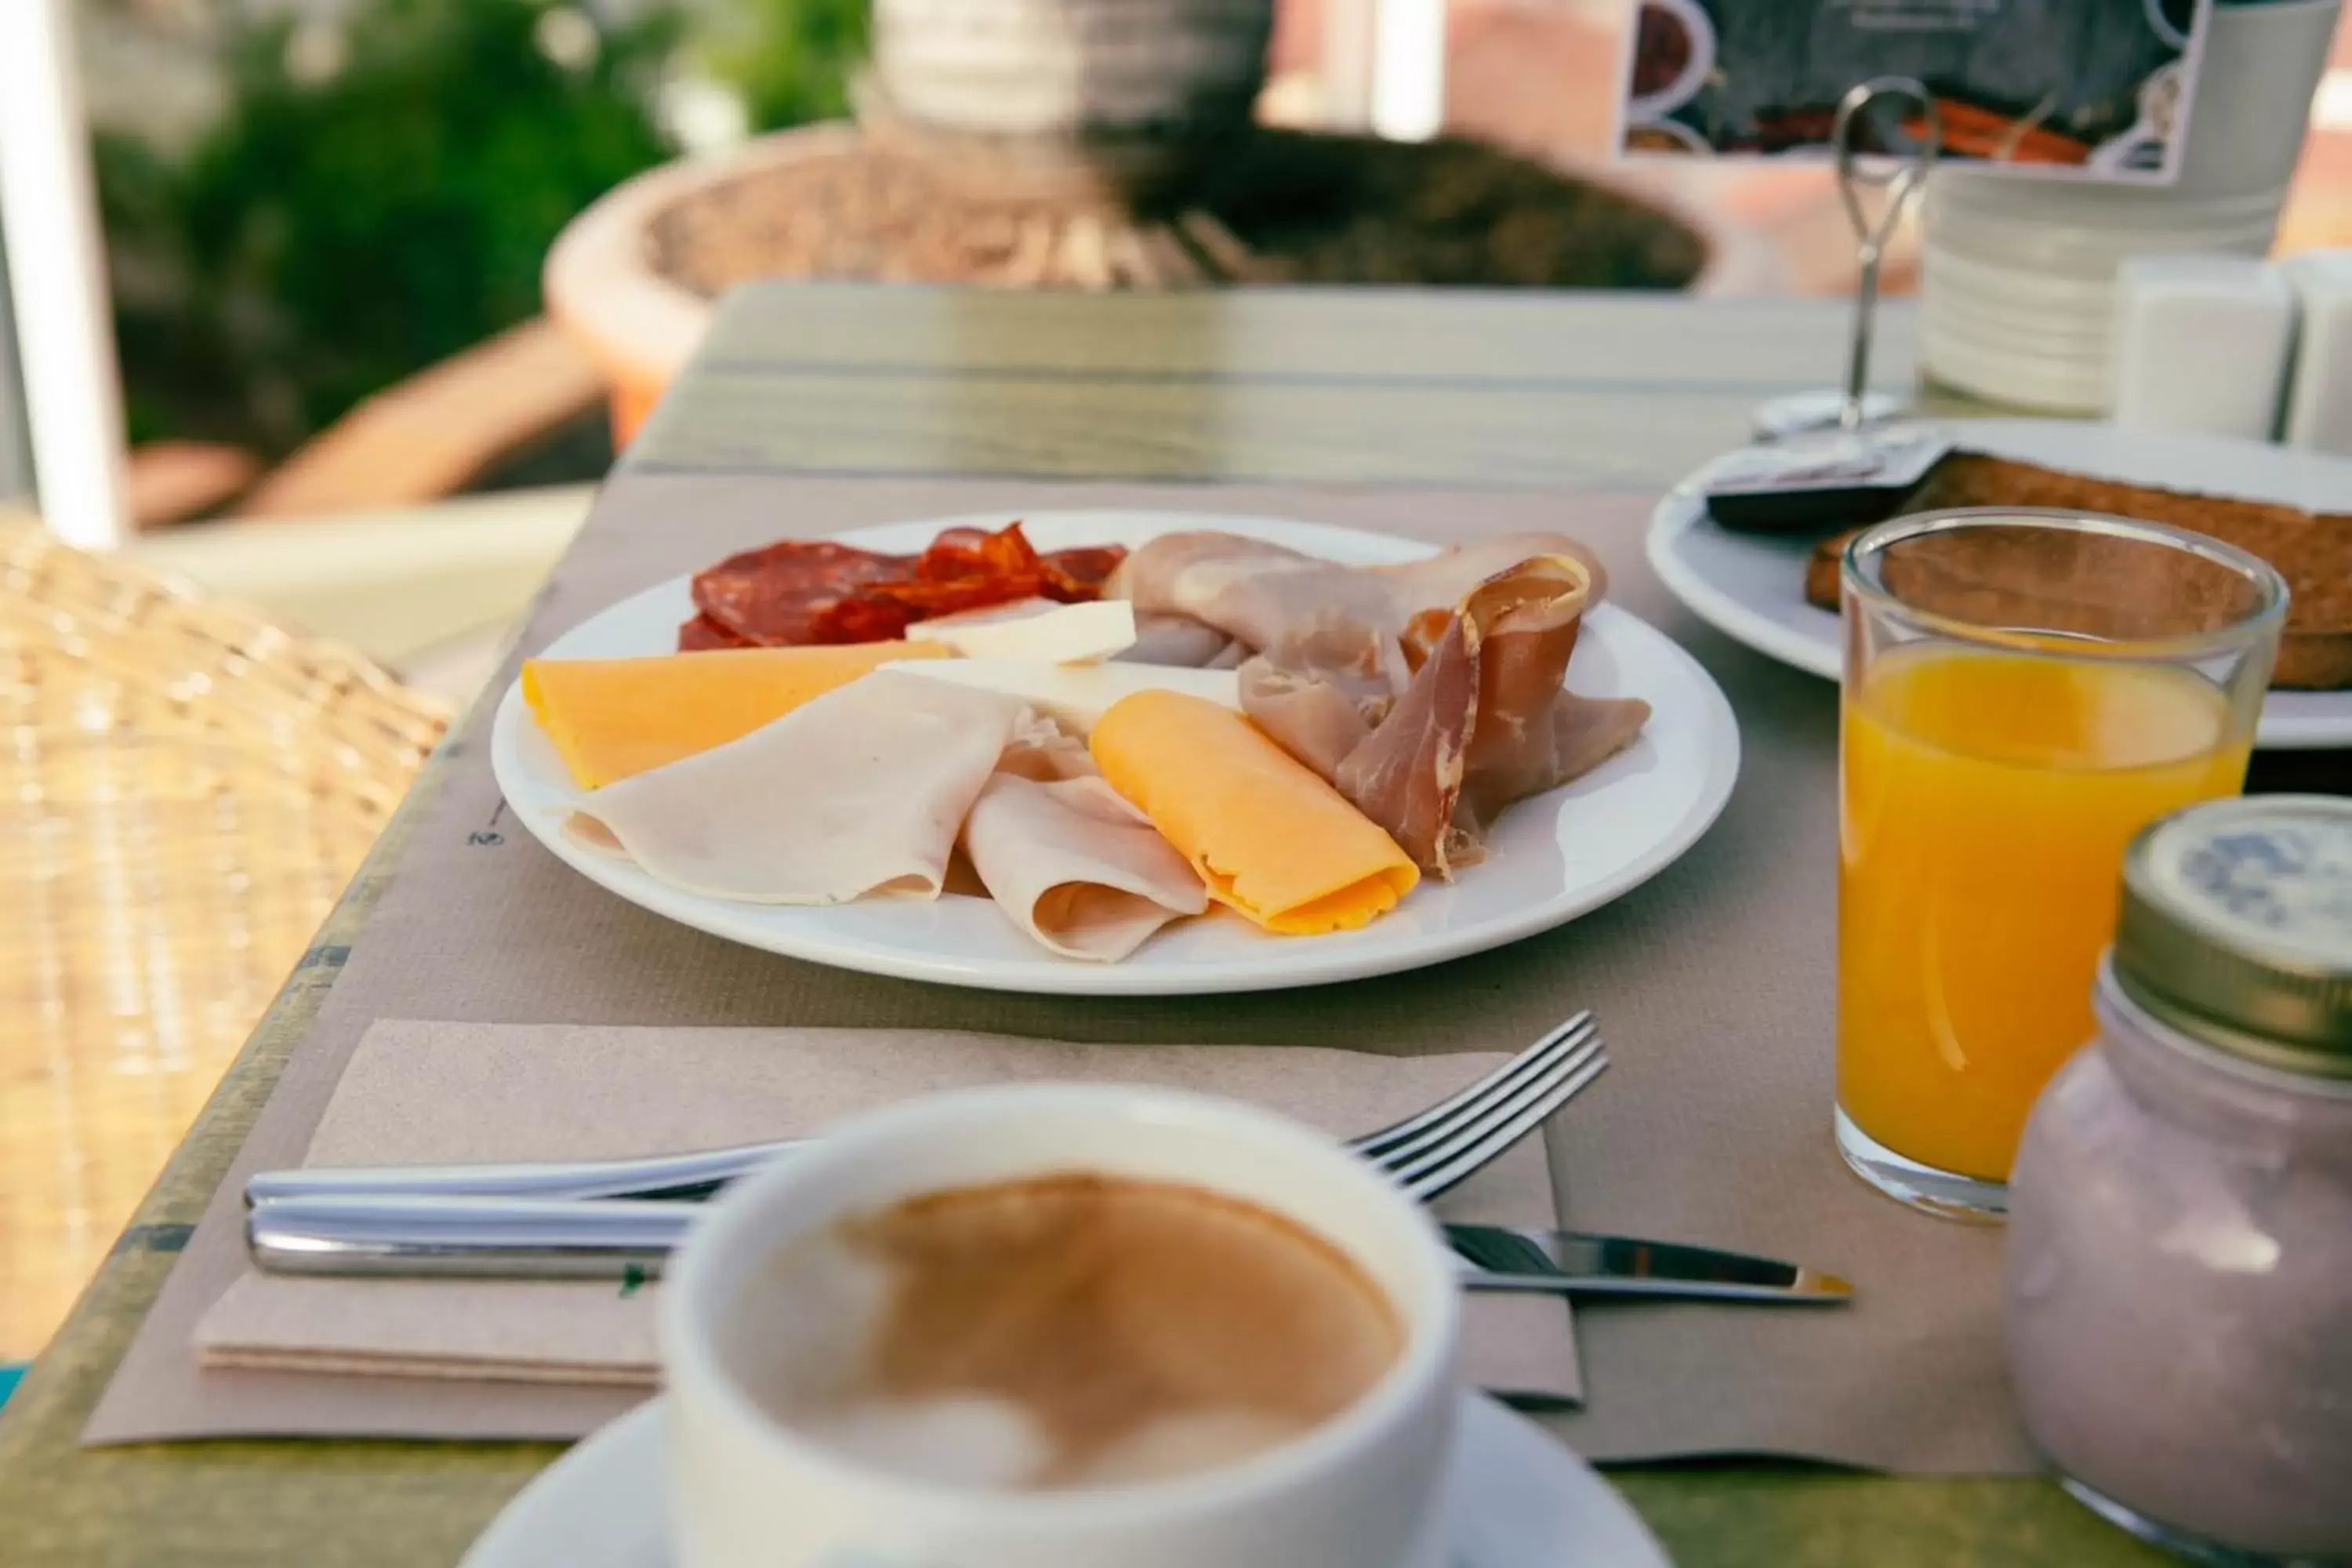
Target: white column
column 16, row 452
column 1409, row 68
column 57, row 263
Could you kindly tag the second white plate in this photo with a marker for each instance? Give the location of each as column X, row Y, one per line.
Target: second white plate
column 1752, row 586
column 1551, row 857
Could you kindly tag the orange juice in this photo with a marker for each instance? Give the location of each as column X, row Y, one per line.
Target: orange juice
column 1986, row 802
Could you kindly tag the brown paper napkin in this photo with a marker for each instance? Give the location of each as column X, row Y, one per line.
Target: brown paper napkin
column 420, row 1093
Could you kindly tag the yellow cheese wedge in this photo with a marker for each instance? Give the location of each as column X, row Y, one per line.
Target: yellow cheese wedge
column 1266, row 835
column 613, row 717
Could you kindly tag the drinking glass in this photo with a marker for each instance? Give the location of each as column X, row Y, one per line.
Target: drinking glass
column 2024, row 691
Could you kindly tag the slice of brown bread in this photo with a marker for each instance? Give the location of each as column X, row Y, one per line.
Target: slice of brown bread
column 2312, row 550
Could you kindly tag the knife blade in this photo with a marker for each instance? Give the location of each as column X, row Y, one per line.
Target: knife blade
column 1511, row 1258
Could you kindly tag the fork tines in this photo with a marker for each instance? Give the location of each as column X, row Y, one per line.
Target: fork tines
column 1444, row 1145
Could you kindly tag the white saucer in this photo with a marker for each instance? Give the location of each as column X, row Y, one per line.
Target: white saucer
column 1551, row 857
column 1515, row 1499
column 1751, row 585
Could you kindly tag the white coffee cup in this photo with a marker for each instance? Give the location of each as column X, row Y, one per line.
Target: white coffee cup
column 1359, row 1492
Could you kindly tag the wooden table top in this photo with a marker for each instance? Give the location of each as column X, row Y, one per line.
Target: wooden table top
column 1591, row 391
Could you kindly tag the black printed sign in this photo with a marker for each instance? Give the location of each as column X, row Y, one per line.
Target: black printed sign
column 2082, row 88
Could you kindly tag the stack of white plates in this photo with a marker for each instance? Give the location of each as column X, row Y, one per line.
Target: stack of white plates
column 2018, row 274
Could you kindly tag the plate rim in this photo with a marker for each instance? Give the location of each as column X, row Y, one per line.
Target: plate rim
column 1680, row 513
column 637, row 1437
column 1048, row 975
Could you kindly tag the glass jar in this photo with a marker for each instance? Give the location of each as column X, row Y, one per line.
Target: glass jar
column 2180, row 1267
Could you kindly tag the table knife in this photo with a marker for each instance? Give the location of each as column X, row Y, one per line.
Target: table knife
column 631, row 1239
column 1512, row 1259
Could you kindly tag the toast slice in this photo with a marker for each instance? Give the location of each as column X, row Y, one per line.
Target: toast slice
column 2312, row 550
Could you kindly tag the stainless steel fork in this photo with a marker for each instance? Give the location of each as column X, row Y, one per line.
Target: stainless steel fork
column 468, row 1230
column 701, row 1174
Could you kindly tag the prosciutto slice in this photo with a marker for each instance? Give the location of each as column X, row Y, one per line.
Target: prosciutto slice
column 1482, row 720
column 1356, row 617
column 1074, row 866
column 859, row 792
column 1182, row 641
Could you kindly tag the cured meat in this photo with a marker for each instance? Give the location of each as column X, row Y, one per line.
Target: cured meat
column 821, row 591
column 804, row 591
column 1074, row 866
column 703, row 634
column 1352, row 624
column 860, row 791
column 1078, row 573
column 1585, row 732
column 1182, row 641
column 1484, row 721
column 1260, row 595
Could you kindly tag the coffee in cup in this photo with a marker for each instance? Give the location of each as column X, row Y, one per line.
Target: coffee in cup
column 1067, row 1329
column 1061, row 1326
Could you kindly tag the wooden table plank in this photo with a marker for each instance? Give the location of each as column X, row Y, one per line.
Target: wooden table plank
column 1372, row 385
column 1295, row 334
column 1337, row 386
column 1393, row 433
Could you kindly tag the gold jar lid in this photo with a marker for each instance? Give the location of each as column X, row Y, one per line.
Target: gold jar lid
column 2237, row 927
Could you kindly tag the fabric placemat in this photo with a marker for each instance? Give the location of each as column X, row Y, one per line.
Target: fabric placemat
column 420, row 1093
column 1714, row 983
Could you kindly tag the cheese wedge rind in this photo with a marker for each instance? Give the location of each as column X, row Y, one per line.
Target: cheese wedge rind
column 1077, row 696
column 1268, row 837
column 1037, row 630
column 611, row 719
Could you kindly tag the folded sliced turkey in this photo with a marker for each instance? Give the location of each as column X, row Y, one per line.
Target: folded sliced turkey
column 866, row 791
column 1074, row 866
column 860, row 791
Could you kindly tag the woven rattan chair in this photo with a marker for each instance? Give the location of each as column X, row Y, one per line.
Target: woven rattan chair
column 184, row 790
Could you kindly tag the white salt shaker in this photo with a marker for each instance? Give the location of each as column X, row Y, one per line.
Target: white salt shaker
column 2201, row 343
column 2319, row 409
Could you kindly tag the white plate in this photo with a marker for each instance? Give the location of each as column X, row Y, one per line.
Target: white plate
column 1752, row 586
column 1514, row 1499
column 1552, row 857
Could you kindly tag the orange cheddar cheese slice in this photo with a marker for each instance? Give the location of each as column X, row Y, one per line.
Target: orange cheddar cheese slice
column 611, row 719
column 1267, row 834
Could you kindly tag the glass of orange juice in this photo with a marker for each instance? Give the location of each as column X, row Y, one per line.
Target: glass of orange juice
column 2024, row 691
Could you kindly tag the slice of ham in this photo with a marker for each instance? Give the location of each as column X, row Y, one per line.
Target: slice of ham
column 1482, row 721
column 860, row 791
column 1074, row 866
column 1264, row 596
column 1261, row 594
column 1184, row 642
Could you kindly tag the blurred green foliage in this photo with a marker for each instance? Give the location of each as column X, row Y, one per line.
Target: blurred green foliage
column 351, row 220
column 791, row 59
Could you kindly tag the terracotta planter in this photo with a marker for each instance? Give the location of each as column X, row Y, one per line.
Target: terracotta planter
column 601, row 288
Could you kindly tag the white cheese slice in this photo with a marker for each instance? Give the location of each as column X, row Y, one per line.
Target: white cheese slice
column 1061, row 634
column 1077, row 696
